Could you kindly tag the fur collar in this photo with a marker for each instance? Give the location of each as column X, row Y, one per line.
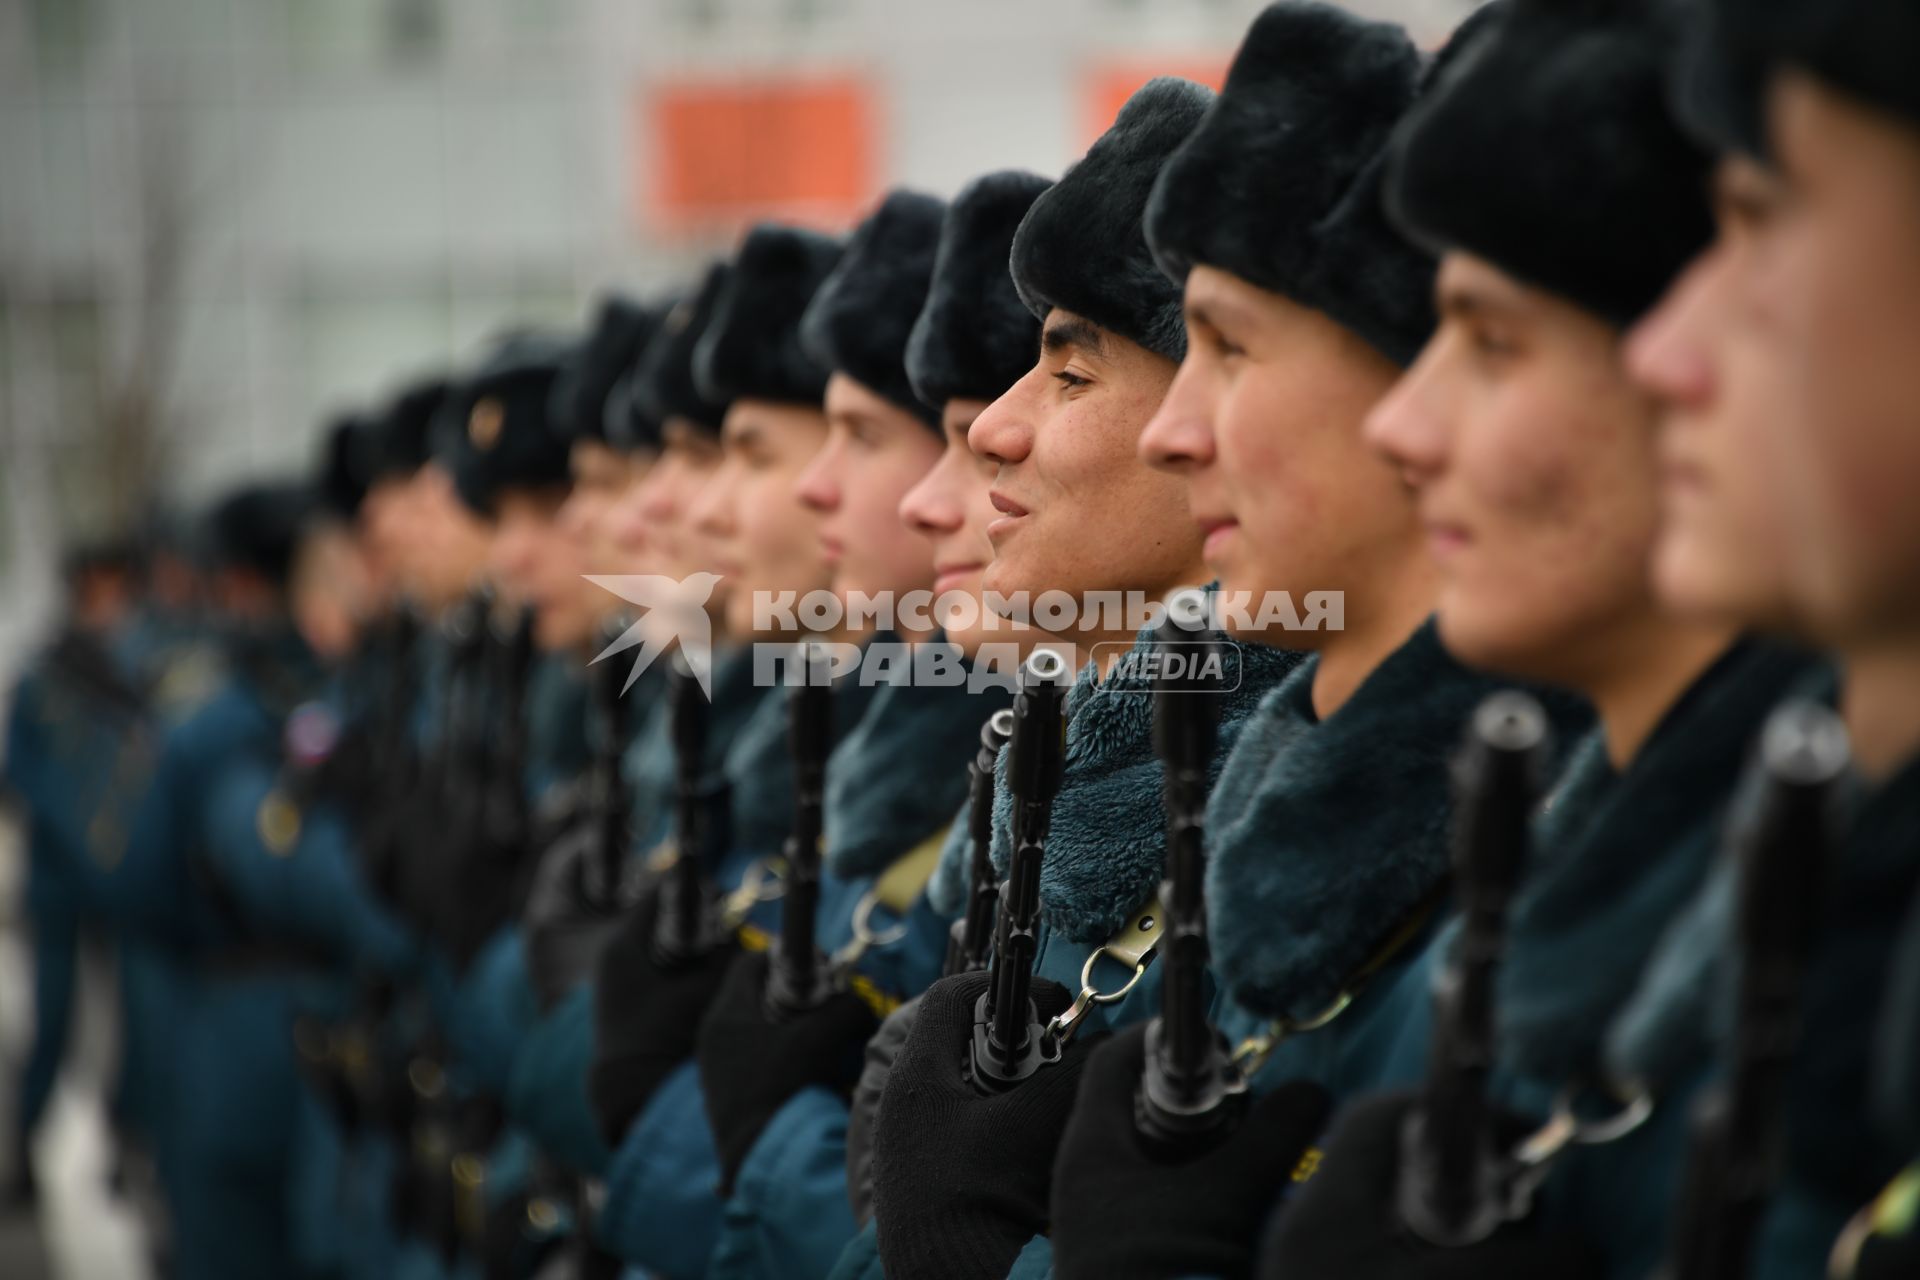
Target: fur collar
column 1617, row 855
column 1327, row 836
column 898, row 775
column 1107, row 844
column 1834, row 1141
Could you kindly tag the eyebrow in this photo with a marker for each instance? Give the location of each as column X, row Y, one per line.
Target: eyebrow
column 1464, row 302
column 1073, row 334
column 851, row 418
column 743, row 436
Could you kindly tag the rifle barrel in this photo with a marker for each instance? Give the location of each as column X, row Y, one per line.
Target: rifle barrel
column 1784, row 843
column 1446, row 1198
column 973, row 932
column 680, row 930
column 1190, row 1085
column 1038, row 746
column 795, row 977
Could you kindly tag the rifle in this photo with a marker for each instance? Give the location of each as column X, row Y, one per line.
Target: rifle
column 967, row 944
column 1190, row 1090
column 607, row 798
column 1009, row 1041
column 685, row 928
column 1784, row 843
column 1453, row 1187
column 797, row 977
column 509, row 828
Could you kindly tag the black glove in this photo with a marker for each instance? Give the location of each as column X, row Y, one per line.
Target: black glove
column 863, row 1112
column 570, row 917
column 1196, row 1216
column 960, row 1179
column 645, row 1017
column 751, row 1064
column 1343, row 1223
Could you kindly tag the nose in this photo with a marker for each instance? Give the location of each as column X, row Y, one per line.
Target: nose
column 818, row 487
column 711, row 512
column 1406, row 427
column 1003, row 433
column 1666, row 353
column 626, row 522
column 1179, row 436
column 932, row 508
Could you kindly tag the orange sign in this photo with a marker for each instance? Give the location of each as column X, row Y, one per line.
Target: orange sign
column 1108, row 87
column 730, row 151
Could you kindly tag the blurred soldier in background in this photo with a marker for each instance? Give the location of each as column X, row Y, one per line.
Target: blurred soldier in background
column 70, row 712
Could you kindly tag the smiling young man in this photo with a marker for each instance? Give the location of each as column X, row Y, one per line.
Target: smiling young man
column 1534, row 459
column 1302, row 308
column 1786, row 348
column 972, row 340
column 960, row 1181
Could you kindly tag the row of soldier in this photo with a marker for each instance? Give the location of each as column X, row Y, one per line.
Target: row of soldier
column 1548, row 907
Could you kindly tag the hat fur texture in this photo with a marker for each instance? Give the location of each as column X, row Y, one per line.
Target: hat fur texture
column 858, row 321
column 1082, row 247
column 1547, row 148
column 663, row 382
column 751, row 349
column 974, row 338
column 1280, row 184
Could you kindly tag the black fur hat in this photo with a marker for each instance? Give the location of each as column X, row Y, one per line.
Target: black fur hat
column 621, row 328
column 1083, row 246
column 494, row 432
column 974, row 338
column 349, row 449
column 404, row 434
column 1547, row 148
column 1280, row 185
column 1717, row 85
column 859, row 319
column 663, row 382
column 257, row 527
column 751, row 349
column 1864, row 48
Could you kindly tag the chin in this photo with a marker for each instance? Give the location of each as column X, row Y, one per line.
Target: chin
column 739, row 614
column 1005, row 577
column 1471, row 642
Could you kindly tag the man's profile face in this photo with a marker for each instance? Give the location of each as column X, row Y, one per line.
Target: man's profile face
column 1837, row 279
column 1079, row 511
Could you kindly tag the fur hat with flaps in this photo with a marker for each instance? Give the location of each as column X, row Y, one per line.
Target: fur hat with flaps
column 494, row 431
column 974, row 338
column 404, row 434
column 751, row 348
column 1717, row 84
column 1867, row 49
column 859, row 319
column 1083, row 247
column 621, row 329
column 1280, row 185
column 257, row 527
column 1547, row 148
column 663, row 384
column 349, row 454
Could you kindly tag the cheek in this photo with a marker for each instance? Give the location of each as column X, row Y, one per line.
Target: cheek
column 1563, row 524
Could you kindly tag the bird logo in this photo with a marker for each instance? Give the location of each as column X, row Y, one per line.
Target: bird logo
column 672, row 611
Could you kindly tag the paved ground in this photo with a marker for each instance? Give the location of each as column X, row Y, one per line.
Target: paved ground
column 80, row 1232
